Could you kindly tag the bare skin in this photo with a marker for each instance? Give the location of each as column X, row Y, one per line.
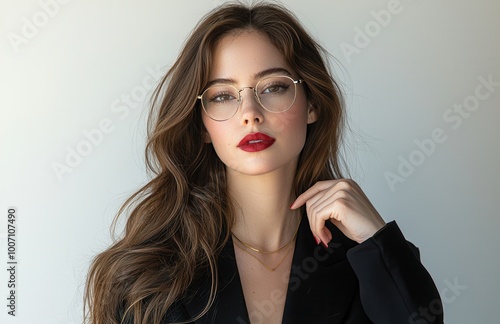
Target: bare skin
column 264, row 290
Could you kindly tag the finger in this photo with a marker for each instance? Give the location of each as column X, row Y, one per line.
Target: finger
column 311, row 208
column 318, row 219
column 316, row 200
column 320, row 231
column 317, row 212
column 333, row 209
column 327, row 236
column 309, row 193
column 332, row 205
column 318, row 187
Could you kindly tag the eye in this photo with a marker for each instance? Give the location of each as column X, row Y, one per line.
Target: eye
column 221, row 97
column 275, row 88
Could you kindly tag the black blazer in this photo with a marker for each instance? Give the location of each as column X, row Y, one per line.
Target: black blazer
column 378, row 281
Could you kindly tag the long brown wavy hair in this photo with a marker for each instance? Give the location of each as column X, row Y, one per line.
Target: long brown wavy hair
column 180, row 220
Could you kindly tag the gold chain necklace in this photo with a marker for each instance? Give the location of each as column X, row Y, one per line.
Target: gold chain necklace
column 268, row 252
column 262, row 262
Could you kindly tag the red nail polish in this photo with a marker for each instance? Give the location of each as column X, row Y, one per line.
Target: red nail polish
column 317, row 240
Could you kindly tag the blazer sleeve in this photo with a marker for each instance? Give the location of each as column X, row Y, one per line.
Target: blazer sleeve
column 394, row 285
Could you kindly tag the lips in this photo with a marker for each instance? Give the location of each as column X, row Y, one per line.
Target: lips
column 256, row 142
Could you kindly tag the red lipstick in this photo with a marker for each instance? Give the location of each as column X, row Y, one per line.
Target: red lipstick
column 256, row 142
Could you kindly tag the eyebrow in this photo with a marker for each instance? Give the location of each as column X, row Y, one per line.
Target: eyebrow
column 258, row 75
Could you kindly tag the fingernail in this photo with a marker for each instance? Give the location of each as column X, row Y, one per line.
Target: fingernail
column 292, row 205
column 324, row 244
column 317, row 240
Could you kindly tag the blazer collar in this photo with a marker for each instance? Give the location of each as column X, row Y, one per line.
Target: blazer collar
column 321, row 285
column 229, row 305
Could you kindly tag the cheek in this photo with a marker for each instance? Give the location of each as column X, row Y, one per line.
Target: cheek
column 209, row 128
column 216, row 133
column 293, row 122
column 282, row 122
column 291, row 128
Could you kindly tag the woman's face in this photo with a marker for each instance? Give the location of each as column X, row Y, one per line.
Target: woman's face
column 242, row 60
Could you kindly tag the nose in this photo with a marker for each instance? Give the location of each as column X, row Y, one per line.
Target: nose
column 251, row 111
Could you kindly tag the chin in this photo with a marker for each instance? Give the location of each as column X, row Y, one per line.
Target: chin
column 254, row 168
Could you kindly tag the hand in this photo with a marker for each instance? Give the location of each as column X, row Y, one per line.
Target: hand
column 345, row 205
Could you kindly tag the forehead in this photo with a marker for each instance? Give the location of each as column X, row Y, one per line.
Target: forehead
column 242, row 55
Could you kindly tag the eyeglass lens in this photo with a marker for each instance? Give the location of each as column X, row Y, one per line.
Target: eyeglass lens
column 275, row 94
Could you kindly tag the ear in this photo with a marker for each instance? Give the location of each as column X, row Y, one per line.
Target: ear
column 312, row 114
column 206, row 137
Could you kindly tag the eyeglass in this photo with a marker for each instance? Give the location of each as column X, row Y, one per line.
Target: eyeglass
column 275, row 94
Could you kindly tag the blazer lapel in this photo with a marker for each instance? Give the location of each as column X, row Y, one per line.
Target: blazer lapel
column 229, row 305
column 322, row 284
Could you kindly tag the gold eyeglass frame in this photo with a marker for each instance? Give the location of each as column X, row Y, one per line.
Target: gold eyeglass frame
column 295, row 82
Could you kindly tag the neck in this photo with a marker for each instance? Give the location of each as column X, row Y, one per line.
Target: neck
column 263, row 218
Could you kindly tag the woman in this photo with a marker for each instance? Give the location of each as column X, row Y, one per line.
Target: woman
column 248, row 217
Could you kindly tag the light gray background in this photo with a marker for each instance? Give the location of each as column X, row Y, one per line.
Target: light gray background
column 74, row 70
